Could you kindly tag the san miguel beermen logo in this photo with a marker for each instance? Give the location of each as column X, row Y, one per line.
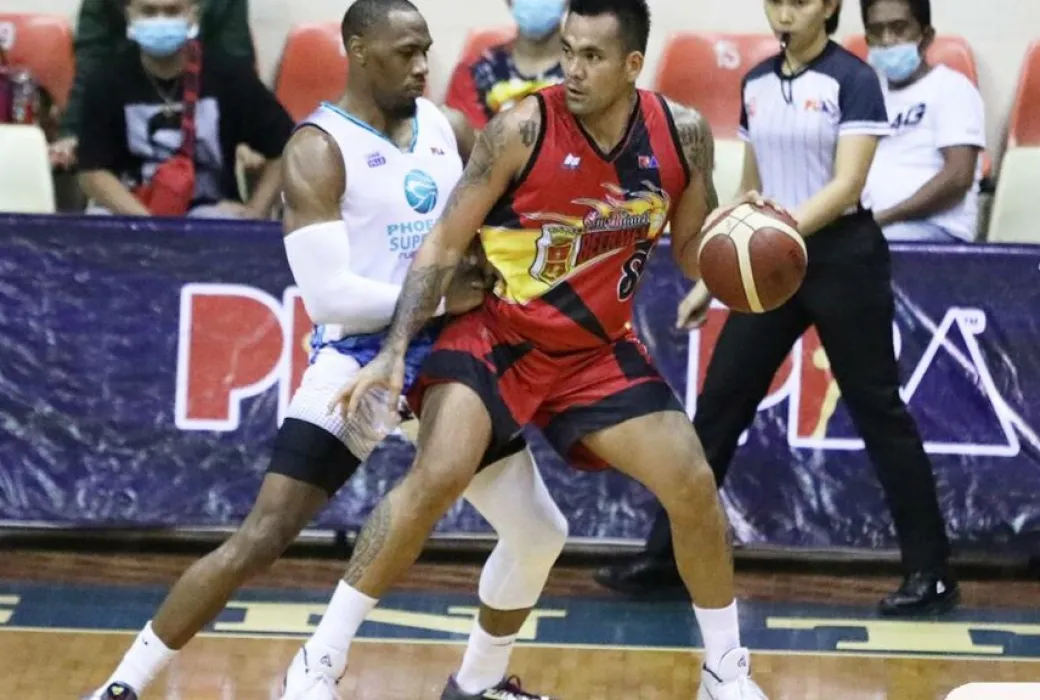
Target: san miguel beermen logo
column 618, row 221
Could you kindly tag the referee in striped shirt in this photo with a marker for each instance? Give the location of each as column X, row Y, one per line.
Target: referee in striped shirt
column 812, row 119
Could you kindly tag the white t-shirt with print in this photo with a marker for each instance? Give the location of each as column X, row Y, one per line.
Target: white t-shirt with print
column 940, row 110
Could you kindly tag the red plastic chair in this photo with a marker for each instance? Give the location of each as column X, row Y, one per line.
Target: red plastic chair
column 43, row 43
column 704, row 71
column 1024, row 126
column 314, row 68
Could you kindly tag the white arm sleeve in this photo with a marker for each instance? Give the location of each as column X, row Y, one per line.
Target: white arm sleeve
column 319, row 257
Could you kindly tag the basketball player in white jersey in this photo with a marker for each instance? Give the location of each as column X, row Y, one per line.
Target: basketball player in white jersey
column 364, row 179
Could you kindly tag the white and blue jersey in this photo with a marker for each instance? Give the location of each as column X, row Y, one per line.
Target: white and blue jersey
column 393, row 198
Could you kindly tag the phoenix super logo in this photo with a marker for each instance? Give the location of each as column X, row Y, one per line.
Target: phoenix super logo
column 616, row 222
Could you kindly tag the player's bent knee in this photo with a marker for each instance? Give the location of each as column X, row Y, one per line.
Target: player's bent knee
column 512, row 497
column 537, row 540
column 435, row 487
column 512, row 581
column 689, row 490
column 529, row 544
column 548, row 532
column 259, row 543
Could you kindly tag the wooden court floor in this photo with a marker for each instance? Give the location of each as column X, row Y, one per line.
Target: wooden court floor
column 66, row 619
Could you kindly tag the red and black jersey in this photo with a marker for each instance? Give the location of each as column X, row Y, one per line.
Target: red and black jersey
column 571, row 237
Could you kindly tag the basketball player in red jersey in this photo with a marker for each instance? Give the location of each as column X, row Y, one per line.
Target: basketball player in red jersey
column 570, row 191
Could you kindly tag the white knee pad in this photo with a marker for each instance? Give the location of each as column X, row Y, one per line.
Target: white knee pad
column 532, row 531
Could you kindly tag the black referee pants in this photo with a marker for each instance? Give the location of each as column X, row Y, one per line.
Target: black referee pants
column 847, row 295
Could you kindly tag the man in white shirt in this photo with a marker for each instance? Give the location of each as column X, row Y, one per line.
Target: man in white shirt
column 924, row 183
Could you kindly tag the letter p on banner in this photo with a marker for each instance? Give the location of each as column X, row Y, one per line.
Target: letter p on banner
column 231, row 346
column 996, row 691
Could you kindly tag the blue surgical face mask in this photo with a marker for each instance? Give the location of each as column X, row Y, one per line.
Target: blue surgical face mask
column 897, row 62
column 537, row 19
column 161, row 36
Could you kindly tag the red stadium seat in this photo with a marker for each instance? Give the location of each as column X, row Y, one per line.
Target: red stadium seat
column 480, row 39
column 952, row 51
column 704, row 71
column 1024, row 127
column 313, row 68
column 43, row 43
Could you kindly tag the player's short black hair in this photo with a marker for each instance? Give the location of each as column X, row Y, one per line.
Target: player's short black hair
column 632, row 15
column 365, row 14
column 920, row 9
column 832, row 22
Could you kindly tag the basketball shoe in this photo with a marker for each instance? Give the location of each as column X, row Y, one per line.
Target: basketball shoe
column 509, row 689
column 310, row 681
column 115, row 691
column 731, row 680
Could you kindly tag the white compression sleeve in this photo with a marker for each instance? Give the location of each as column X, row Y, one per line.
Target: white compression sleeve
column 319, row 257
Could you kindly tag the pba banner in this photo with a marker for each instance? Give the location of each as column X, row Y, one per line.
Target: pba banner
column 145, row 366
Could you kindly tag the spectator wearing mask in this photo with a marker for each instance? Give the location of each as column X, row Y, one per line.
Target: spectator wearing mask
column 505, row 74
column 924, row 182
column 101, row 32
column 132, row 119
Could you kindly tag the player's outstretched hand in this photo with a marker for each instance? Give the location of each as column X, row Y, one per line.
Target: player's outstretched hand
column 693, row 310
column 385, row 372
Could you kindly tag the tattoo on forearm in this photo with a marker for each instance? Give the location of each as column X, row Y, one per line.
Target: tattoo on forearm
column 420, row 295
column 370, row 542
column 698, row 146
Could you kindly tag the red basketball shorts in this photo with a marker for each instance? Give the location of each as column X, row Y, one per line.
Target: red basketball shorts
column 568, row 396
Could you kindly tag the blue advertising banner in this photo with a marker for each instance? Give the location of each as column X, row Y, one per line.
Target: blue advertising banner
column 145, row 366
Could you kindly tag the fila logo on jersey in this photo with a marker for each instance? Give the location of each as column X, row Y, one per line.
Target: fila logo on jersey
column 648, row 162
column 436, row 151
column 375, row 159
column 421, row 191
column 571, row 162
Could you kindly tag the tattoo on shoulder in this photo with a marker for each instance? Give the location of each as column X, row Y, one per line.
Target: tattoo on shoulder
column 529, row 131
column 697, row 143
column 490, row 144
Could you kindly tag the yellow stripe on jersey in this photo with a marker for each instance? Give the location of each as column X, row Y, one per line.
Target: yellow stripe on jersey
column 531, row 261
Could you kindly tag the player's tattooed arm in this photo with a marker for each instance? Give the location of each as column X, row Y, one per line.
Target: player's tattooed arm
column 700, row 198
column 698, row 147
column 499, row 154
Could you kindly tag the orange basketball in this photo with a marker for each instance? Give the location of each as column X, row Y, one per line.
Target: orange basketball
column 752, row 257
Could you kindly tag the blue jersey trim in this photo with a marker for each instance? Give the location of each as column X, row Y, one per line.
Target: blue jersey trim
column 371, row 129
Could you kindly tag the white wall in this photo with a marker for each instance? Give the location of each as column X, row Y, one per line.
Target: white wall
column 999, row 30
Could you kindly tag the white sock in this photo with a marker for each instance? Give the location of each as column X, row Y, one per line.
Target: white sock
column 147, row 656
column 720, row 629
column 339, row 625
column 486, row 661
